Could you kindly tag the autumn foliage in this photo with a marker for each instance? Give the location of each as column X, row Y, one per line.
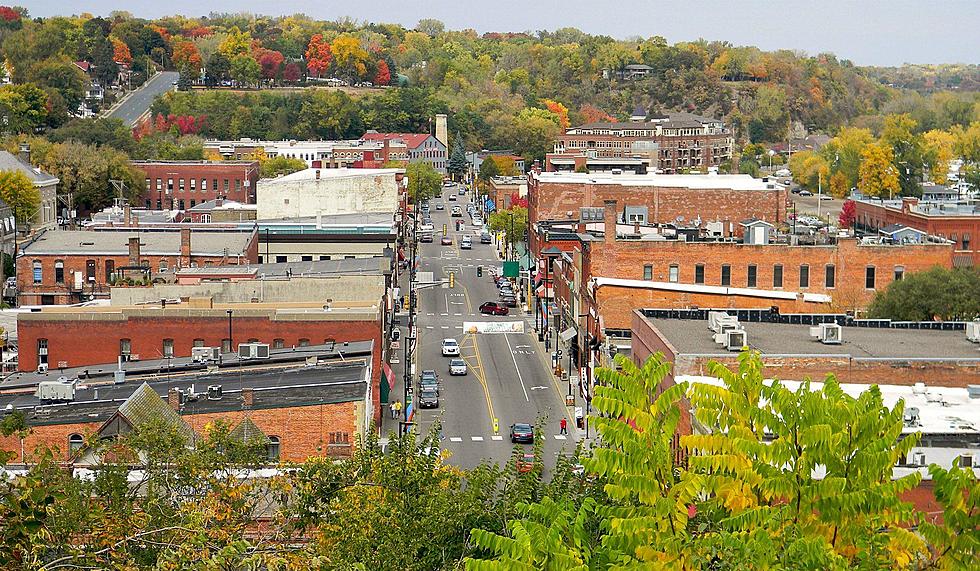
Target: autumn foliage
column 383, row 76
column 8, row 14
column 560, row 110
column 183, row 124
column 318, row 55
column 120, row 52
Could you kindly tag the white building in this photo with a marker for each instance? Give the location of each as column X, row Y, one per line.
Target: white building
column 313, row 192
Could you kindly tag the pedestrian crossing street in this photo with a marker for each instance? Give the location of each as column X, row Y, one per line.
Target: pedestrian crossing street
column 492, row 438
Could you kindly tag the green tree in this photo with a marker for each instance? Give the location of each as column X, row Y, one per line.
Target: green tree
column 513, row 222
column 218, row 68
column 328, row 115
column 101, row 131
column 457, row 158
column 878, row 175
column 937, row 293
column 770, row 115
column 20, row 193
column 424, row 182
column 488, row 169
column 280, row 165
column 843, row 152
column 24, row 107
column 63, row 77
column 245, row 70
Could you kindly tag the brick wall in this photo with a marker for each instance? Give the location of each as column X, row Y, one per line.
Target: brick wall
column 955, row 228
column 553, row 201
column 236, row 181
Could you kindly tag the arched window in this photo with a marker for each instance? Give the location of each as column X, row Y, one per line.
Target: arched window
column 59, row 272
column 37, row 271
column 304, row 342
column 272, row 448
column 278, row 343
column 75, row 442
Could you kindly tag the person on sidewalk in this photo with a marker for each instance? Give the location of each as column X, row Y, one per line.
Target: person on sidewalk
column 398, row 408
column 391, row 409
column 563, row 425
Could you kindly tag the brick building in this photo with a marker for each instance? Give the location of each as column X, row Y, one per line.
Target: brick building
column 421, row 147
column 654, row 199
column 179, row 185
column 316, row 154
column 959, row 223
column 670, row 143
column 220, row 211
column 63, row 267
column 295, row 409
column 503, row 188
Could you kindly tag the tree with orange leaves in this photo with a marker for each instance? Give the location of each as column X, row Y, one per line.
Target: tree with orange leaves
column 120, row 52
column 318, row 55
column 187, row 58
column 560, row 110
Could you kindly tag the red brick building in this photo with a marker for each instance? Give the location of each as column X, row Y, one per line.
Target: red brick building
column 957, row 223
column 671, row 143
column 179, row 185
column 656, row 199
column 64, row 267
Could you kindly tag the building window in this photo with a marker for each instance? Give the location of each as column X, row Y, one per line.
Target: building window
column 324, row 258
column 192, row 202
column 278, row 343
column 777, row 275
column 159, row 184
column 204, row 184
column 699, row 274
column 869, row 277
column 673, row 274
column 214, row 184
column 206, row 218
column 42, row 351
column 307, row 258
column 804, row 276
column 752, row 276
column 226, row 345
column 830, row 276
column 272, row 448
column 125, row 347
column 59, row 272
column 726, row 275
column 75, row 442
column 168, row 348
column 193, row 182
column 149, row 184
column 90, row 270
column 110, row 267
column 199, row 342
column 38, row 274
column 225, row 185
column 180, row 204
column 180, row 185
column 280, row 259
column 163, row 266
column 304, row 342
column 648, row 272
column 170, row 185
column 899, row 272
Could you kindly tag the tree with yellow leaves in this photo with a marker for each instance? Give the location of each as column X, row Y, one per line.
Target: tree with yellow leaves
column 939, row 146
column 877, row 175
column 349, row 58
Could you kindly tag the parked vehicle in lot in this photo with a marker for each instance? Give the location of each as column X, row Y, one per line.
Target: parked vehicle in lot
column 521, row 432
column 465, row 243
column 450, row 347
column 446, row 241
column 429, row 399
column 525, row 463
column 485, row 238
column 494, row 308
column 457, row 367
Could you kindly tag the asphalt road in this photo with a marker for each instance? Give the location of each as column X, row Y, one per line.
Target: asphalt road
column 141, row 99
column 507, row 378
column 829, row 209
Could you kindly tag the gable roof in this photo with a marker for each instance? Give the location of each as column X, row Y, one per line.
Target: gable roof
column 11, row 162
column 896, row 228
column 145, row 407
column 412, row 140
column 248, row 432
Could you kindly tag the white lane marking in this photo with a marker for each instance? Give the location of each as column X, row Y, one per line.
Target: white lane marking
column 496, row 437
column 444, row 326
column 561, row 437
column 447, row 304
column 519, row 376
column 429, row 327
column 455, row 439
column 476, row 438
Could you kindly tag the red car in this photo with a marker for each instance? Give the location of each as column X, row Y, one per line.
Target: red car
column 494, row 308
column 525, row 463
column 447, row 241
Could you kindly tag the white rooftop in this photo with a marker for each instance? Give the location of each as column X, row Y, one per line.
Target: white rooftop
column 331, row 173
column 705, row 181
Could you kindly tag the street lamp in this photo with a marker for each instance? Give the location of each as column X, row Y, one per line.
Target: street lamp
column 771, row 153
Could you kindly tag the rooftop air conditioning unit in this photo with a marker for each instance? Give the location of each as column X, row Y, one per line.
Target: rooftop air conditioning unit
column 737, row 340
column 918, row 458
column 214, row 392
column 42, row 367
column 830, row 333
column 912, row 417
column 248, row 351
column 919, row 389
column 713, row 317
column 205, row 354
column 973, row 391
column 60, row 390
column 973, row 331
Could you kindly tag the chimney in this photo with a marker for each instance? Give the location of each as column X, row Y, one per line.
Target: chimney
column 25, row 153
column 908, row 202
column 173, row 399
column 610, row 220
column 536, row 166
column 442, row 131
column 318, row 174
column 185, row 246
column 219, row 201
column 127, row 215
column 134, row 251
column 248, row 398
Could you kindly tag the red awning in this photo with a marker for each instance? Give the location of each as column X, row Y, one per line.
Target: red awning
column 389, row 375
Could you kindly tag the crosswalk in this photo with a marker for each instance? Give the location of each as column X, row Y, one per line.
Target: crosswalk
column 492, row 438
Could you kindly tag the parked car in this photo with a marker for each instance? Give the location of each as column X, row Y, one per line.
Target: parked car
column 525, row 463
column 429, row 399
column 494, row 308
column 426, row 237
column 477, row 221
column 446, row 241
column 509, row 300
column 485, row 238
column 806, row 193
column 465, row 243
column 440, row 206
column 456, row 212
column 521, row 432
column 429, row 381
column 450, row 347
column 457, row 367
column 825, row 197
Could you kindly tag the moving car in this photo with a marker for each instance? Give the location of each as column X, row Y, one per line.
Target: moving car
column 448, row 183
column 825, row 197
column 508, row 300
column 457, row 367
column 465, row 243
column 525, row 463
column 429, row 399
column 450, row 348
column 426, row 237
column 485, row 238
column 806, row 193
column 446, row 241
column 477, row 221
column 521, row 432
column 462, row 190
column 440, row 206
column 456, row 212
column 426, row 227
column 452, row 198
column 494, row 308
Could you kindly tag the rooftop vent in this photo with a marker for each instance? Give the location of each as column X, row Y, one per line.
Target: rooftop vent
column 827, row 333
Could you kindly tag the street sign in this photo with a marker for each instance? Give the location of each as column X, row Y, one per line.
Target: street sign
column 512, row 269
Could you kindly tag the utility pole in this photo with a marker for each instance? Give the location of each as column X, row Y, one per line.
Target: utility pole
column 410, row 338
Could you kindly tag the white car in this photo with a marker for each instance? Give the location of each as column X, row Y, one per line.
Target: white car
column 477, row 221
column 457, row 367
column 450, row 348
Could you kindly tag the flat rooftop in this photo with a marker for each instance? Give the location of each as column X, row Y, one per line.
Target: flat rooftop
column 329, row 173
column 692, row 337
column 386, row 219
column 158, row 242
column 693, row 181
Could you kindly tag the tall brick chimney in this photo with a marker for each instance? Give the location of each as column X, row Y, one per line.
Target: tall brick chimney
column 173, row 399
column 134, row 251
column 185, row 247
column 609, row 217
column 127, row 215
column 248, row 398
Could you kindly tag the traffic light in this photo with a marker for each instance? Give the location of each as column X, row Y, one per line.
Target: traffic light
column 479, row 271
column 405, row 302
